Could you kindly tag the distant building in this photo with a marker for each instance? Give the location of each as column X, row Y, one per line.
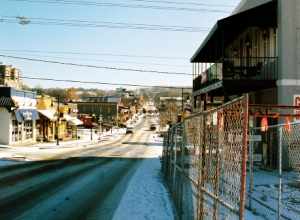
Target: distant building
column 52, row 118
column 10, row 77
column 99, row 107
column 18, row 116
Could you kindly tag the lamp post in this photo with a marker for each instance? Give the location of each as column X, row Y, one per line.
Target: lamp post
column 57, row 123
column 100, row 123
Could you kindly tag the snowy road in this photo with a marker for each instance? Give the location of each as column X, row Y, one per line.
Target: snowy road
column 120, row 180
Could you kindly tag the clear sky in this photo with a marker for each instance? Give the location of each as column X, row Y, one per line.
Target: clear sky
column 181, row 45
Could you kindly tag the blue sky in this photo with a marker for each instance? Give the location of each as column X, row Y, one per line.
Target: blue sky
column 103, row 40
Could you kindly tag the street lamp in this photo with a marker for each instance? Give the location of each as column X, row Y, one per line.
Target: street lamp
column 57, row 123
column 100, row 120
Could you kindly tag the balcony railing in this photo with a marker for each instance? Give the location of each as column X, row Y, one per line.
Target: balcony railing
column 254, row 68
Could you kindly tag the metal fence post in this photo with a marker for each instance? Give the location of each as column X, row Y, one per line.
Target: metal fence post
column 244, row 157
column 279, row 173
column 175, row 158
column 251, row 185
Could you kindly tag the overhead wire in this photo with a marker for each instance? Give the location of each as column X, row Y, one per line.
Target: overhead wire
column 124, row 5
column 99, row 24
column 95, row 66
column 96, row 54
column 102, row 83
column 98, row 60
column 183, row 3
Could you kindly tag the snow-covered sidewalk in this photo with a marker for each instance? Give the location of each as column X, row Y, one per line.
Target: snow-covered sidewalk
column 146, row 196
column 265, row 194
column 44, row 150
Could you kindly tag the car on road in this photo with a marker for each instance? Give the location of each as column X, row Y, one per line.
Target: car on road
column 153, row 127
column 129, row 130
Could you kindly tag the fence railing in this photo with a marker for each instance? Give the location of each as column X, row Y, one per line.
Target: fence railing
column 235, row 68
column 204, row 162
column 274, row 193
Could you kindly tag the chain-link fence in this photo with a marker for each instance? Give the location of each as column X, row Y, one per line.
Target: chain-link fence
column 274, row 193
column 204, row 162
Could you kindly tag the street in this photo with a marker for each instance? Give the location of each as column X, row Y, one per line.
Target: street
column 87, row 183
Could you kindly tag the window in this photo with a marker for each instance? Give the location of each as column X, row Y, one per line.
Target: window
column 28, row 129
column 16, row 131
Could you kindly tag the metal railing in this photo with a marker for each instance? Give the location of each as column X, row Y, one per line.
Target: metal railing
column 274, row 193
column 239, row 68
column 204, row 162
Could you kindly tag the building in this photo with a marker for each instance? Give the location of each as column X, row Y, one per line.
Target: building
column 46, row 124
column 18, row 116
column 105, row 109
column 68, row 121
column 56, row 119
column 256, row 50
column 10, row 77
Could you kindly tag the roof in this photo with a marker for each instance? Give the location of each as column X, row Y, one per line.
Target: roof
column 245, row 5
column 72, row 120
column 48, row 113
column 262, row 14
column 6, row 102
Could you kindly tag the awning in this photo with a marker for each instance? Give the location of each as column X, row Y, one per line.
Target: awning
column 26, row 115
column 48, row 113
column 73, row 120
column 6, row 102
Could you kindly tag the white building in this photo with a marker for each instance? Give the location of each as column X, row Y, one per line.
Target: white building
column 17, row 116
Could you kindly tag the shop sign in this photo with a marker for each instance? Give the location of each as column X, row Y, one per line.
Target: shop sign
column 27, row 115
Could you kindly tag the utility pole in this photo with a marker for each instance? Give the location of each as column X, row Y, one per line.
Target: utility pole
column 57, row 123
column 182, row 101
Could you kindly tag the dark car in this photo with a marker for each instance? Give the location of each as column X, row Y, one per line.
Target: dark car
column 129, row 130
column 153, row 127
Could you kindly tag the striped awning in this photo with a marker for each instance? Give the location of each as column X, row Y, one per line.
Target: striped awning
column 6, row 102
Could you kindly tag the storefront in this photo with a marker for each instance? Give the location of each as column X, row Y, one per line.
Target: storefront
column 18, row 116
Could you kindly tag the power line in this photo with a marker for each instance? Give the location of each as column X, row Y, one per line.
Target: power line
column 184, row 3
column 124, row 5
column 99, row 24
column 100, row 60
column 97, row 54
column 94, row 66
column 101, row 83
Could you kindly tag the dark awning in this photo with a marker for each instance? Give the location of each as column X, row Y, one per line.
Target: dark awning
column 6, row 102
column 227, row 29
column 26, row 115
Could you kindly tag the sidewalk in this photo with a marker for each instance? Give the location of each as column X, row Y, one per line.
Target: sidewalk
column 45, row 150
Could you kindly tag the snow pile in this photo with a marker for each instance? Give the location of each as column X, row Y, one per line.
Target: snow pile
column 146, row 196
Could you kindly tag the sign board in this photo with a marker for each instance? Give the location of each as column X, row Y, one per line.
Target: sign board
column 255, row 138
column 297, row 103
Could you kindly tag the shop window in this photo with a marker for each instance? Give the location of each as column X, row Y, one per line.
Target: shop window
column 16, row 131
column 28, row 129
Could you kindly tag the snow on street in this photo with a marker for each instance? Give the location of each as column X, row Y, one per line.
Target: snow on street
column 119, row 179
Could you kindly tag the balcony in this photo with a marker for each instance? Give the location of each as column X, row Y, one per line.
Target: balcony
column 236, row 75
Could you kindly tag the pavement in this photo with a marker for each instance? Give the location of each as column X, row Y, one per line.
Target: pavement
column 88, row 182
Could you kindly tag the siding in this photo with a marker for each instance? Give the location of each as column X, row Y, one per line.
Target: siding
column 4, row 126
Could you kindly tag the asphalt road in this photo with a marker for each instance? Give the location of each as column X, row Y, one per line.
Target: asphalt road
column 85, row 184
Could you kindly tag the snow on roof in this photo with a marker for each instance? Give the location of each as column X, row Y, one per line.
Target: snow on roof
column 245, row 5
